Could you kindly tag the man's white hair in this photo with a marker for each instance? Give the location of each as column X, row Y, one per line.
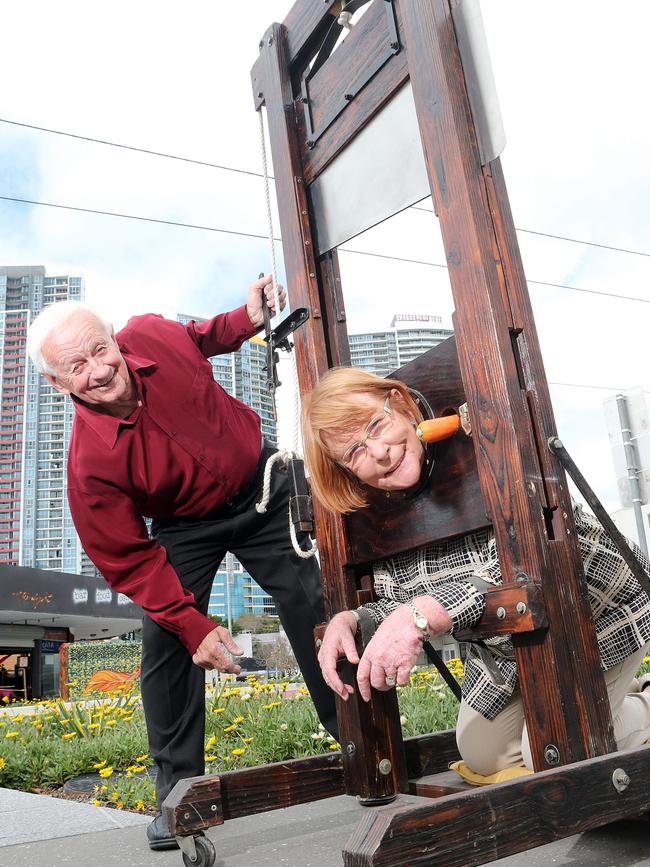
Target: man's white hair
column 49, row 320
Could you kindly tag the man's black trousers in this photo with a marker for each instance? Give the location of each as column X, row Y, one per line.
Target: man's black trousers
column 173, row 688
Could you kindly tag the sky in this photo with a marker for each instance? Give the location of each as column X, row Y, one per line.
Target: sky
column 572, row 82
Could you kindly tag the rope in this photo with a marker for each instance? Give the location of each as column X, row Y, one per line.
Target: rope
column 261, row 507
column 282, row 455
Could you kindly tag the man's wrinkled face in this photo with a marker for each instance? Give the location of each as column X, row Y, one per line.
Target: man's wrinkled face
column 88, row 364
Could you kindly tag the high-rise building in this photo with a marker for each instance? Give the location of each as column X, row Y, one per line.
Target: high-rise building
column 410, row 335
column 242, row 375
column 36, row 527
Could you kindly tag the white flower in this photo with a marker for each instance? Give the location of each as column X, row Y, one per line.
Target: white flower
column 245, row 696
column 317, row 736
column 284, row 726
column 403, row 720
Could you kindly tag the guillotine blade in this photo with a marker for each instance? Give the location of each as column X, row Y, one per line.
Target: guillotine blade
column 381, row 172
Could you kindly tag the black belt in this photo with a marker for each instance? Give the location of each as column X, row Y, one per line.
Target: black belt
column 254, row 484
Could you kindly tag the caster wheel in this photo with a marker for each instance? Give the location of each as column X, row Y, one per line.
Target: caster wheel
column 205, row 854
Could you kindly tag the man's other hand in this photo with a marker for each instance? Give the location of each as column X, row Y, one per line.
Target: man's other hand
column 254, row 304
column 213, row 651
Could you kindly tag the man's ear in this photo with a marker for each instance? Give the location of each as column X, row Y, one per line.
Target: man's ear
column 54, row 382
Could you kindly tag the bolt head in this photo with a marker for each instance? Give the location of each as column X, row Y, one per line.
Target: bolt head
column 501, row 612
column 521, row 607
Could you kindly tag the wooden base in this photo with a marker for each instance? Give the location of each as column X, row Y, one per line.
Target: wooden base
column 475, row 827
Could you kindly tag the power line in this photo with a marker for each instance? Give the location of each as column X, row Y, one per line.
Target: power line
column 584, row 385
column 260, row 175
column 134, row 217
column 265, row 238
column 537, row 282
column 561, row 238
column 113, row 144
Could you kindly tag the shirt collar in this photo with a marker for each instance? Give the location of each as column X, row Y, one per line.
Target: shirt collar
column 107, row 427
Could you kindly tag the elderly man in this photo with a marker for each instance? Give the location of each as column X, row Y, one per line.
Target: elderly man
column 155, row 435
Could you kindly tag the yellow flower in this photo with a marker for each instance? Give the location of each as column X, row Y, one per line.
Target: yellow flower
column 110, row 722
column 210, row 742
column 19, row 717
column 230, row 728
column 120, row 805
column 142, row 758
column 139, row 807
column 11, row 735
column 103, row 788
column 218, row 710
column 99, row 765
column 247, row 740
column 114, row 796
column 238, row 752
column 238, row 719
column 106, row 772
column 93, row 725
column 97, row 802
column 68, row 736
column 210, row 759
column 2, row 763
column 335, row 746
column 5, row 699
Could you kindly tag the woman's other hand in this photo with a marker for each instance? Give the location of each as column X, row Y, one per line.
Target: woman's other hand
column 393, row 650
column 338, row 641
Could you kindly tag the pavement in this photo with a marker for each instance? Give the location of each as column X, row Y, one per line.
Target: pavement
column 41, row 831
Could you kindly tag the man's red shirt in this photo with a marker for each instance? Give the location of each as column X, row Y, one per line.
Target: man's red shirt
column 186, row 449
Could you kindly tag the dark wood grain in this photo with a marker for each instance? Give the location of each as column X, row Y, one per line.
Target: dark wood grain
column 510, row 620
column 379, row 89
column 315, row 347
column 193, row 805
column 452, row 502
column 492, row 822
column 201, row 802
column 500, row 363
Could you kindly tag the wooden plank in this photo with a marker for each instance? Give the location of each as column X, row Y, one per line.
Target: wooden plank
column 451, row 503
column 313, row 348
column 491, row 822
column 430, row 754
column 438, row 785
column 198, row 803
column 502, row 614
column 571, row 713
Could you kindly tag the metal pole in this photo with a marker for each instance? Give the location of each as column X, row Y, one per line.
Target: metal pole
column 229, row 580
column 632, row 469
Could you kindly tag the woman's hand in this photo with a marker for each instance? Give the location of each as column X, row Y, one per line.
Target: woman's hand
column 394, row 648
column 338, row 641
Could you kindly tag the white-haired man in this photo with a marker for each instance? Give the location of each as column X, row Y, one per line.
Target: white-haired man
column 154, row 435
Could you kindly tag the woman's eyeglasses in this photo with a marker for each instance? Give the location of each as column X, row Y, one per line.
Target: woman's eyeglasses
column 355, row 454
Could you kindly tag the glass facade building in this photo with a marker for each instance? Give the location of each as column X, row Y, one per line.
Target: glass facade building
column 36, row 527
column 242, row 375
column 409, row 335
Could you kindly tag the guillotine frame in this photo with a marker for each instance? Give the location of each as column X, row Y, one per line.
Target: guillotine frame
column 578, row 784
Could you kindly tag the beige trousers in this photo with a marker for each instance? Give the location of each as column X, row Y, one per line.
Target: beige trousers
column 492, row 745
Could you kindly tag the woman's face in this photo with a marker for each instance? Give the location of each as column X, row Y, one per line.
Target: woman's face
column 391, row 460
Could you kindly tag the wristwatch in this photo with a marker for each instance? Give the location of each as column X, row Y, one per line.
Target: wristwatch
column 420, row 621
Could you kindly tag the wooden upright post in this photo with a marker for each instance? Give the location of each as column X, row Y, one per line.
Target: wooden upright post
column 375, row 768
column 566, row 704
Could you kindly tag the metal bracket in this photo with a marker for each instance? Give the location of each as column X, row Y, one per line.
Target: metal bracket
column 278, row 338
column 556, row 446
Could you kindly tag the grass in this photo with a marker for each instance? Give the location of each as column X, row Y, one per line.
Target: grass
column 246, row 725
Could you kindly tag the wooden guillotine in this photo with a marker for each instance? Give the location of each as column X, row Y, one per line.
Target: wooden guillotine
column 405, row 87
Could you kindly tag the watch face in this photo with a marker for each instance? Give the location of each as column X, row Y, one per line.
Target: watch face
column 421, row 622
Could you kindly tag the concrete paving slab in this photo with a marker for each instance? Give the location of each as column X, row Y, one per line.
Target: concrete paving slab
column 310, row 835
column 25, row 817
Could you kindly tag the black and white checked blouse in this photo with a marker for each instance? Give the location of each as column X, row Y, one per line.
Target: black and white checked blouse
column 620, row 607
